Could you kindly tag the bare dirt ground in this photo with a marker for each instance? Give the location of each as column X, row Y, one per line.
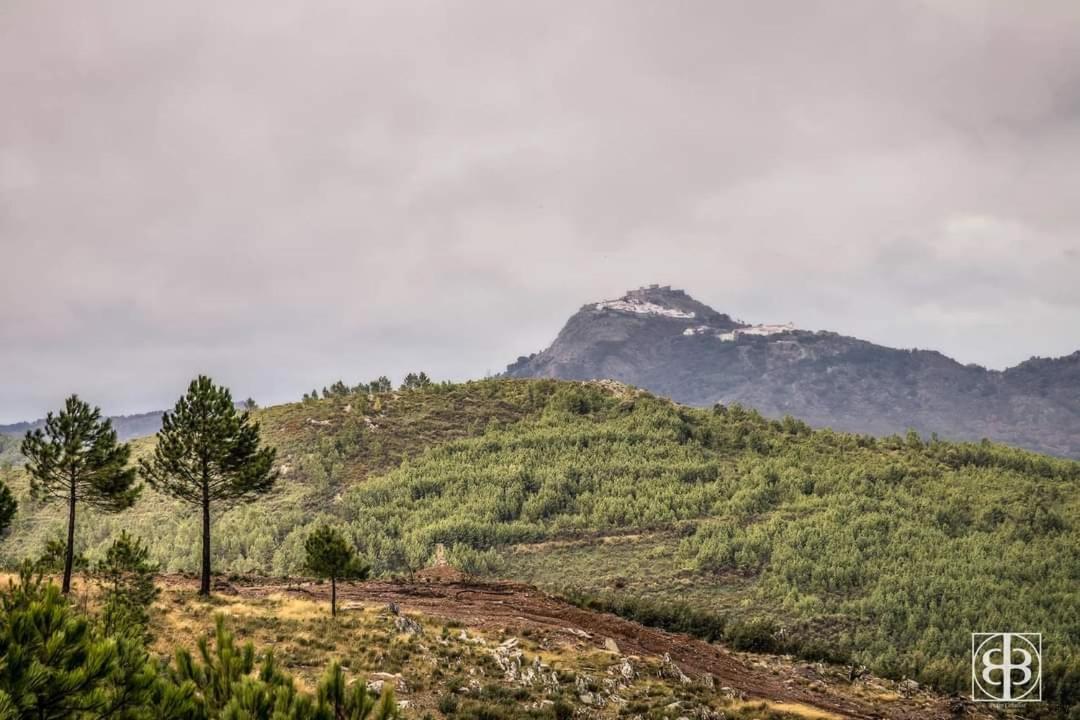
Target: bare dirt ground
column 515, row 607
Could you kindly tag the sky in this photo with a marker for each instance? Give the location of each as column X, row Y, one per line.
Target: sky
column 284, row 194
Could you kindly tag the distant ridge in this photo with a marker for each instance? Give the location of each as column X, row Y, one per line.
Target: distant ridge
column 126, row 426
column 663, row 340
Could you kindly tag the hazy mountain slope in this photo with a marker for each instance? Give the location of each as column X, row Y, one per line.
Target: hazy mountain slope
column 646, row 339
column 127, row 426
column 9, row 449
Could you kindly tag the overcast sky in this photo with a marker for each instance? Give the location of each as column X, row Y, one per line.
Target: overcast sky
column 282, row 194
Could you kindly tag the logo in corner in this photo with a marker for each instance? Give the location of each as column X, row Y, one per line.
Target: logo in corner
column 1006, row 667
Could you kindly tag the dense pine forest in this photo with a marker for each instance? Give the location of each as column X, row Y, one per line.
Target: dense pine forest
column 878, row 552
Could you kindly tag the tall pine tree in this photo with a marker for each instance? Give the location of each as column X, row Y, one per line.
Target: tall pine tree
column 77, row 458
column 209, row 454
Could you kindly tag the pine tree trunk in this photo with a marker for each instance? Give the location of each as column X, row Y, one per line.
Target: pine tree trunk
column 69, row 552
column 204, row 587
column 333, row 596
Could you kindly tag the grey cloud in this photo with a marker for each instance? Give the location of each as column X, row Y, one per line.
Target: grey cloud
column 287, row 194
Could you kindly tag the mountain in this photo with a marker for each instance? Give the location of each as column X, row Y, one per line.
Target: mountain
column 663, row 340
column 127, row 426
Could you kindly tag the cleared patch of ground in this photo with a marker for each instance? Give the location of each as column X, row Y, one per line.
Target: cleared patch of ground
column 455, row 657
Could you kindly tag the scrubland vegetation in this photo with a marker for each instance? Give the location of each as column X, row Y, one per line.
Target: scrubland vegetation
column 883, row 552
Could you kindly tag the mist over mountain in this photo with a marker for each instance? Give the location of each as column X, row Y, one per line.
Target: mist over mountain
column 663, row 340
column 126, row 426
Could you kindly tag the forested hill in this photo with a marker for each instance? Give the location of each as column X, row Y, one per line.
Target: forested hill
column 663, row 340
column 885, row 552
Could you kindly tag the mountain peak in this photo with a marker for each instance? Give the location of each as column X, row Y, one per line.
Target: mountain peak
column 661, row 301
column 661, row 339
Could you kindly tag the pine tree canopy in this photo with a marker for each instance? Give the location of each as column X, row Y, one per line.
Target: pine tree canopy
column 78, row 451
column 205, row 440
column 330, row 555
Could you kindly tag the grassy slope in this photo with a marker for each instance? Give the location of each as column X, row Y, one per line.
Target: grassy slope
column 449, row 669
column 889, row 551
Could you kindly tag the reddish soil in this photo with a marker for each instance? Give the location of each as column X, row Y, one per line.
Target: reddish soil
column 515, row 607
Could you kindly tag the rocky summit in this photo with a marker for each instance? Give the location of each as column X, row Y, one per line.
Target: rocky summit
column 663, row 340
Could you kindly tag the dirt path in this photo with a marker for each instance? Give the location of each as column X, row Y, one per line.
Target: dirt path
column 513, row 606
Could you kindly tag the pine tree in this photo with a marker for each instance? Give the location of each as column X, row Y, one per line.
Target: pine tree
column 8, row 506
column 126, row 576
column 56, row 667
column 229, row 683
column 208, row 454
column 77, row 458
column 329, row 555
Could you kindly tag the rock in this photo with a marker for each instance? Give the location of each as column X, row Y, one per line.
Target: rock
column 626, row 671
column 908, row 688
column 393, row 609
column 669, row 670
column 407, row 625
column 611, row 646
column 394, row 679
column 957, row 705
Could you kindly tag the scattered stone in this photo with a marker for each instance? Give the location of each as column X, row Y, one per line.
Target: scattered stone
column 382, row 678
column 908, row 687
column 407, row 625
column 626, row 670
column 668, row 669
column 958, row 705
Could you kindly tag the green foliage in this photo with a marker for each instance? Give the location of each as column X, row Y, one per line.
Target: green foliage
column 207, row 453
column 77, row 458
column 329, row 555
column 471, row 561
column 416, row 381
column 674, row 616
column 55, row 666
column 8, row 506
column 77, row 454
column 126, row 577
column 230, row 685
column 51, row 560
column 893, row 548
